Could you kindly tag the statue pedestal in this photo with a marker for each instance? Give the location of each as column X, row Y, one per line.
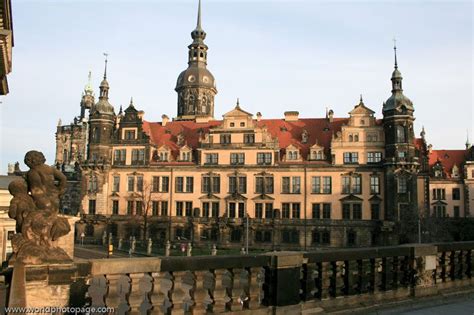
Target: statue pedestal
column 41, row 285
column 67, row 241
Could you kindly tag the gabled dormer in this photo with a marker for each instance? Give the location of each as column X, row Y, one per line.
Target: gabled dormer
column 162, row 154
column 185, row 154
column 292, row 153
column 130, row 125
column 361, row 116
column 237, row 119
column 316, row 153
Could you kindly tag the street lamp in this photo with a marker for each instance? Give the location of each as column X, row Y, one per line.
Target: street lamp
column 247, row 233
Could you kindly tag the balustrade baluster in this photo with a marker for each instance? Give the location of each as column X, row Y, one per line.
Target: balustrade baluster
column 346, row 275
column 244, row 287
column 307, row 283
column 442, row 262
column 385, row 285
column 469, row 263
column 145, row 286
column 452, row 265
column 395, row 272
column 166, row 289
column 317, row 276
column 257, row 279
column 373, row 275
column 124, row 285
column 360, row 286
column 333, row 273
column 188, row 284
column 98, row 288
column 203, row 294
column 461, row 265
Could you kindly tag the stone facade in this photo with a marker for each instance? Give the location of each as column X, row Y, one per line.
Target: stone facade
column 297, row 182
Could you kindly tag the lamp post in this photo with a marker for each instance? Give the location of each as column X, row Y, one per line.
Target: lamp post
column 247, row 233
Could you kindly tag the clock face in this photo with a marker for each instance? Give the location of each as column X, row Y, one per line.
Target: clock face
column 191, row 78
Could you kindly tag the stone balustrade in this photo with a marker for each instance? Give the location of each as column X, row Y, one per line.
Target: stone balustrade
column 275, row 282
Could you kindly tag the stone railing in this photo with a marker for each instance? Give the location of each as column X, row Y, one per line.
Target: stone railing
column 291, row 282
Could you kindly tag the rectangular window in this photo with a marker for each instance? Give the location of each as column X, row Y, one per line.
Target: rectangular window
column 375, row 211
column 290, row 236
column 179, row 208
column 130, row 206
column 211, row 158
column 116, row 183
column 374, row 157
column 120, row 156
column 285, row 185
column 357, row 211
column 326, row 211
column 237, row 158
column 138, row 156
column 179, row 184
column 269, row 210
column 296, row 185
column 189, row 184
column 189, row 209
column 259, row 210
column 238, row 184
column 232, row 209
column 131, row 183
column 346, row 211
column 327, row 185
column 264, row 158
column 140, row 183
column 456, row 194
column 215, row 209
column 164, row 208
column 316, row 185
column 316, row 211
column 351, row 157
column 115, row 207
column 296, row 209
column 249, row 138
column 285, row 210
column 264, row 185
column 402, row 185
column 225, row 139
column 155, row 207
column 346, row 184
column 129, row 135
column 374, row 185
column 241, row 210
column 165, row 184
column 155, row 186
column 205, row 209
column 357, row 185
column 139, row 207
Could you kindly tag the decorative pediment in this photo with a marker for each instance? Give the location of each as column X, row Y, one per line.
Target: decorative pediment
column 375, row 198
column 352, row 198
column 235, row 197
column 439, row 203
column 237, row 112
column 263, row 197
column 210, row 197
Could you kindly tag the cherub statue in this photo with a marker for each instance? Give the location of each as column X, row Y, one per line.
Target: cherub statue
column 41, row 182
column 21, row 202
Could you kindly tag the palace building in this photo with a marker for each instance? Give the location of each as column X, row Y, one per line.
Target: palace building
column 297, row 182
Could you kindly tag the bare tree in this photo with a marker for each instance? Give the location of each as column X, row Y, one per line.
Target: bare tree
column 146, row 196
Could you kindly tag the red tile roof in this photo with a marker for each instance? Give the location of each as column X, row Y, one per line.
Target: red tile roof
column 286, row 132
column 448, row 159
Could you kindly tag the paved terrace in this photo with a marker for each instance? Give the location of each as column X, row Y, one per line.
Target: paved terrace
column 365, row 280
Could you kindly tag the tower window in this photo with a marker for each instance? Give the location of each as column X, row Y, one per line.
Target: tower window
column 401, row 134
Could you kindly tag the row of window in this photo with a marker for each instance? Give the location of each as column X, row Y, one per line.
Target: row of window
column 440, row 194
column 226, row 138
column 350, row 211
column 138, row 156
column 440, row 211
column 353, row 157
column 211, row 184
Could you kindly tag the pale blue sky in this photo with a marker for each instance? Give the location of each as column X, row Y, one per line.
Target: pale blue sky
column 274, row 55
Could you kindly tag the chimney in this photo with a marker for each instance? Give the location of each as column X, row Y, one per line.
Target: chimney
column 259, row 116
column 330, row 115
column 291, row 116
column 165, row 120
column 141, row 114
column 430, row 148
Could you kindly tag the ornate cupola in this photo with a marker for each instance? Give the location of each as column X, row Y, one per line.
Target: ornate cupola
column 196, row 86
column 87, row 100
column 101, row 121
column 401, row 160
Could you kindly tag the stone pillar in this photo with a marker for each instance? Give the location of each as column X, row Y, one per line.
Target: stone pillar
column 67, row 241
column 424, row 261
column 285, row 273
column 41, row 285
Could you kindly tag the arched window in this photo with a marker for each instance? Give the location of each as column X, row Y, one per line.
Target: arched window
column 351, row 138
column 401, row 134
column 356, row 138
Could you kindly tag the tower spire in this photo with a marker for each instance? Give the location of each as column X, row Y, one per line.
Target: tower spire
column 105, row 68
column 468, row 144
column 198, row 25
column 395, row 51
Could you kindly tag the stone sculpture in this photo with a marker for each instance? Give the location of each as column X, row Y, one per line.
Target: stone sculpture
column 35, row 207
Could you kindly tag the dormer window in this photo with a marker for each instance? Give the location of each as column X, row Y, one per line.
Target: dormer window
column 292, row 155
column 242, row 124
column 232, row 124
column 317, row 155
column 129, row 135
column 455, row 171
column 186, row 156
column 225, row 139
column 163, row 156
